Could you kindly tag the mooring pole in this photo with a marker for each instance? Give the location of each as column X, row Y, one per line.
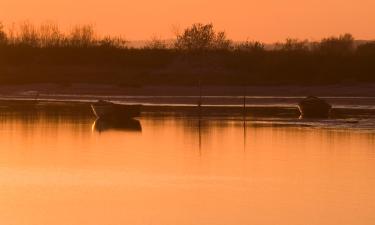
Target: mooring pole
column 244, row 118
column 200, row 99
column 244, row 102
column 199, row 117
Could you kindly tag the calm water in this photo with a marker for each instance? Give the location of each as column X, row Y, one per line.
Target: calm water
column 65, row 169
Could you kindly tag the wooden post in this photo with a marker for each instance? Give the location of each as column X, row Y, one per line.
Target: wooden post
column 244, row 119
column 200, row 99
column 244, row 103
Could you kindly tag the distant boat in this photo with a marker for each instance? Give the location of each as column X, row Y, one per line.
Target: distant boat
column 314, row 107
column 107, row 110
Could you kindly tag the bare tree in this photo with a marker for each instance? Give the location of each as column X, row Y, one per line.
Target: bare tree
column 291, row 44
column 201, row 37
column 221, row 41
column 156, row 43
column 112, row 42
column 28, row 34
column 3, row 35
column 82, row 36
column 50, row 35
column 250, row 46
column 343, row 44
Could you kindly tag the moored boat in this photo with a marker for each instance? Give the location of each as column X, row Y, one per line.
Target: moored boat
column 314, row 107
column 107, row 110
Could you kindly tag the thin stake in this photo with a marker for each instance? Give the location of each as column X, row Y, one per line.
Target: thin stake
column 200, row 99
column 199, row 117
column 244, row 119
column 244, row 103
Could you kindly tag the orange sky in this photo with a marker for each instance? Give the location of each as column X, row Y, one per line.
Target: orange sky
column 265, row 20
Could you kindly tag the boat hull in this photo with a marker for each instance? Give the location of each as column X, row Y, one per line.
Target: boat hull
column 111, row 111
column 313, row 107
column 311, row 112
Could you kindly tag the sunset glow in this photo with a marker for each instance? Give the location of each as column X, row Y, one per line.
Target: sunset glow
column 187, row 112
column 268, row 20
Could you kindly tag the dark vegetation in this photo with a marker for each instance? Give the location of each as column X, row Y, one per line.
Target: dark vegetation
column 44, row 54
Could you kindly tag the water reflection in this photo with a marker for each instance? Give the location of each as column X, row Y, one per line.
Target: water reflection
column 31, row 111
column 182, row 170
column 122, row 125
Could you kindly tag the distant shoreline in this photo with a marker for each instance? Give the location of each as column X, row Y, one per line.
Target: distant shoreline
column 199, row 55
column 343, row 90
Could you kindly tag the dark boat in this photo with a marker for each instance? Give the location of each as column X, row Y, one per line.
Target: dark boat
column 314, row 107
column 106, row 110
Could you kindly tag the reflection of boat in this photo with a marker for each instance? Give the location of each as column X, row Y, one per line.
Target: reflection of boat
column 125, row 125
column 110, row 111
column 314, row 107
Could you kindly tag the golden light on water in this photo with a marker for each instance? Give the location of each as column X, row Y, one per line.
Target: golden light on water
column 64, row 173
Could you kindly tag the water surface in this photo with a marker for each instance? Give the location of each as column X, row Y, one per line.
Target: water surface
column 67, row 169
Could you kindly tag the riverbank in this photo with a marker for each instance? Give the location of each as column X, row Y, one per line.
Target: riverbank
column 262, row 101
column 80, row 89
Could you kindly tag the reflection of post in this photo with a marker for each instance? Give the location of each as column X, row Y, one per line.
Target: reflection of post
column 200, row 99
column 244, row 103
column 244, row 119
column 244, row 135
column 199, row 117
column 200, row 136
column 36, row 96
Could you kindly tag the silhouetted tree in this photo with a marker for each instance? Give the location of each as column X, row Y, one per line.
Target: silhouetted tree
column 343, row 44
column 250, row 46
column 112, row 42
column 3, row 35
column 202, row 37
column 156, row 43
column 221, row 42
column 50, row 35
column 332, row 60
column 82, row 36
column 293, row 45
column 28, row 35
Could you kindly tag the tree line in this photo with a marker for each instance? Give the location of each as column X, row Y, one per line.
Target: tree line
column 31, row 54
column 198, row 37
